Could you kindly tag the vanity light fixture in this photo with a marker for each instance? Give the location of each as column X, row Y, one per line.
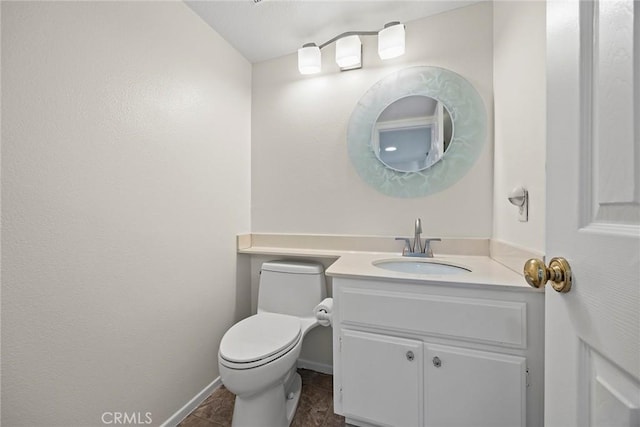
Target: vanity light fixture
column 391, row 44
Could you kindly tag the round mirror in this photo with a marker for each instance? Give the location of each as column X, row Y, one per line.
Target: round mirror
column 417, row 131
column 412, row 133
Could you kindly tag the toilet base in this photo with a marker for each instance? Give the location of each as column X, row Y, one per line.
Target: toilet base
column 273, row 407
column 293, row 396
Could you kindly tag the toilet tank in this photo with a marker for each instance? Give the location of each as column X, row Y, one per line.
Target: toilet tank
column 290, row 287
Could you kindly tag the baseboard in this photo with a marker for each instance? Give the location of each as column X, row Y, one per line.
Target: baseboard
column 315, row 366
column 191, row 405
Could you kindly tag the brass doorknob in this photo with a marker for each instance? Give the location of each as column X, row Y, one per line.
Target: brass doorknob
column 559, row 272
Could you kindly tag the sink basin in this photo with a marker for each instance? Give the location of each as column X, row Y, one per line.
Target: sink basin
column 419, row 267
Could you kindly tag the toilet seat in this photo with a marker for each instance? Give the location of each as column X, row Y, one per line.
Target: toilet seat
column 259, row 339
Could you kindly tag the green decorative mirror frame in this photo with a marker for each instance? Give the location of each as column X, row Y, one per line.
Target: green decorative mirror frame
column 469, row 122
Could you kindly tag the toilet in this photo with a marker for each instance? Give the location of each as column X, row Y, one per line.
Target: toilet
column 257, row 357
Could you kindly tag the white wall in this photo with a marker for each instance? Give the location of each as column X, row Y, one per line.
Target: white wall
column 520, row 124
column 302, row 178
column 125, row 178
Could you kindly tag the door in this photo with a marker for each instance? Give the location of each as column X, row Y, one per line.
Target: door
column 381, row 379
column 592, row 345
column 465, row 387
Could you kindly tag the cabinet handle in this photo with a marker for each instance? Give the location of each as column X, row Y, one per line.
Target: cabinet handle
column 410, row 356
column 437, row 362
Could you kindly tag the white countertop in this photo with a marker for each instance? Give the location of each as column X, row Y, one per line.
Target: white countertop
column 485, row 272
column 333, row 246
column 355, row 256
column 296, row 252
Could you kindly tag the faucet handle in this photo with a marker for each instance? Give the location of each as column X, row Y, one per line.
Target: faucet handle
column 407, row 244
column 427, row 246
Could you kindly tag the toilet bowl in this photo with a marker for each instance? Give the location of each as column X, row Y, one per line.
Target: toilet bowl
column 257, row 356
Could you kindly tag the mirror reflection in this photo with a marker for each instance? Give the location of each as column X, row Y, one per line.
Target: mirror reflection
column 412, row 133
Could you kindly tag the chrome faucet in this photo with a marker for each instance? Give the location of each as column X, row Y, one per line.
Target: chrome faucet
column 417, row 244
column 419, row 249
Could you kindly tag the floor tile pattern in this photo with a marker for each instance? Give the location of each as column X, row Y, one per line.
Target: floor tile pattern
column 315, row 408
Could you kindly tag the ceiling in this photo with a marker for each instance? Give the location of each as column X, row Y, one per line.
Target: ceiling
column 272, row 28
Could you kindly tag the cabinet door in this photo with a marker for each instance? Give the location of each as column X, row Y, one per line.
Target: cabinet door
column 466, row 387
column 381, row 379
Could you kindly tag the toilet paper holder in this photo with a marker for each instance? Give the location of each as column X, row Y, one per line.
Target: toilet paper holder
column 324, row 312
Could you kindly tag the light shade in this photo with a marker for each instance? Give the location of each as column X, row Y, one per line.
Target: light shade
column 391, row 41
column 309, row 59
column 349, row 53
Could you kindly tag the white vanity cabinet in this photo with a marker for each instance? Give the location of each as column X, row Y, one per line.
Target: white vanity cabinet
column 415, row 354
column 391, row 364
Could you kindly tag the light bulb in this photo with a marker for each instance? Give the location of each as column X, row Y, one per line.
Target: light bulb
column 309, row 59
column 349, row 53
column 391, row 41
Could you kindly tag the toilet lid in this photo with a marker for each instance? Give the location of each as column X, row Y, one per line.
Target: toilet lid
column 260, row 336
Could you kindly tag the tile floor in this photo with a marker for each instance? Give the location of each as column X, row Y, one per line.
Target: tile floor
column 315, row 408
